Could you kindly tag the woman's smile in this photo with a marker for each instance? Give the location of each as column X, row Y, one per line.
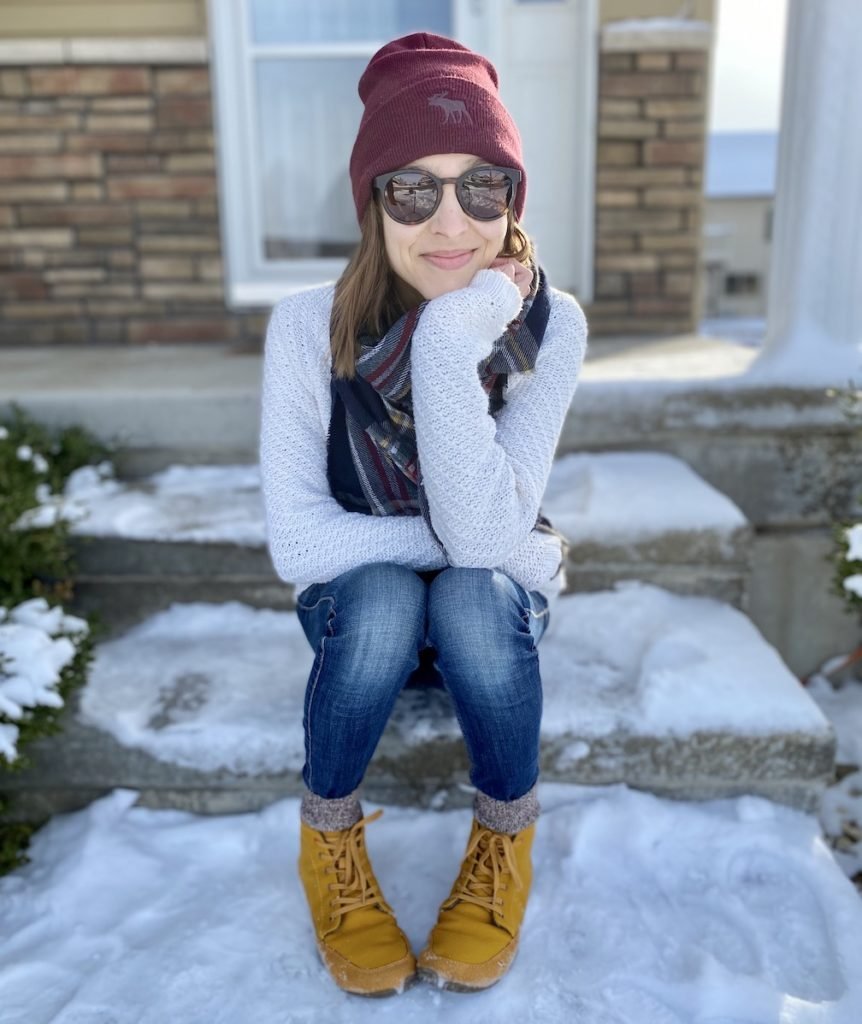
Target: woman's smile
column 451, row 260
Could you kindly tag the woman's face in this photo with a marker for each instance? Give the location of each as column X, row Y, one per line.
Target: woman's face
column 410, row 248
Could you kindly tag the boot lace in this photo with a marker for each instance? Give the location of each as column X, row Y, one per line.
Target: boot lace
column 354, row 886
column 489, row 857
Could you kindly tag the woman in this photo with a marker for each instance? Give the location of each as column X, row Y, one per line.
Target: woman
column 402, row 495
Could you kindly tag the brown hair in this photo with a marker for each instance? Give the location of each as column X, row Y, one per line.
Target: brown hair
column 369, row 295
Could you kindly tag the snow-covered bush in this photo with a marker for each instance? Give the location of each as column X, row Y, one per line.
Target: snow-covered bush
column 847, row 581
column 44, row 653
column 848, row 573
column 35, row 462
column 37, row 643
column 44, row 656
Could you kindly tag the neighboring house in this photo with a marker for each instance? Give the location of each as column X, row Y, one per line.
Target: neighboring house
column 169, row 170
column 737, row 233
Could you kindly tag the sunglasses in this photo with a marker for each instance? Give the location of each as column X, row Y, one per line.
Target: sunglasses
column 412, row 196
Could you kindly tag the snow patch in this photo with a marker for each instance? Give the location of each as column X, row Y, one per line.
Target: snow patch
column 213, row 686
column 641, row 910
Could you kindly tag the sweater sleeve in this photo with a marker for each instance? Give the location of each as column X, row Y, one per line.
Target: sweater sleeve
column 485, row 478
column 309, row 534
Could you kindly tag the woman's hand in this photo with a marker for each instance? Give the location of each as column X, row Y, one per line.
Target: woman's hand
column 516, row 272
column 536, row 560
column 471, row 318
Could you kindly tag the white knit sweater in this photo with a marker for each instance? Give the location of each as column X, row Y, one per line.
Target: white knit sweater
column 484, row 478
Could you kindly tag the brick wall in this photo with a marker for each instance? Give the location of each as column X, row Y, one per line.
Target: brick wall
column 109, row 224
column 649, row 175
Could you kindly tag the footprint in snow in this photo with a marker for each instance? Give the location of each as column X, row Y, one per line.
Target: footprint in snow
column 634, row 1003
column 793, row 933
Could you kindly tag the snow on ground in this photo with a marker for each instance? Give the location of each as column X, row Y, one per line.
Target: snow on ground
column 169, row 684
column 643, row 911
column 841, row 702
column 749, row 330
column 841, row 817
column 841, row 805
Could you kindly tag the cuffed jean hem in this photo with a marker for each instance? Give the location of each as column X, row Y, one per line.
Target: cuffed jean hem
column 508, row 816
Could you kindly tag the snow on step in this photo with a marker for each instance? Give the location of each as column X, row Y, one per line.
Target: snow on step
column 181, row 503
column 608, row 497
column 669, row 692
column 630, row 497
column 641, row 910
column 630, row 515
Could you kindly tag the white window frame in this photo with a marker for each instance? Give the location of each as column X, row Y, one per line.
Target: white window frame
column 250, row 279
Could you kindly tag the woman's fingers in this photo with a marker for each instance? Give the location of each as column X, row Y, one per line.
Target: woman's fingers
column 516, row 272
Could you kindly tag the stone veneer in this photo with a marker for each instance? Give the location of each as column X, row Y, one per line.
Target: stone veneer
column 652, row 123
column 109, row 221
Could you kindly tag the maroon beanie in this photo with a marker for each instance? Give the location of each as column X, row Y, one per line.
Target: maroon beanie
column 426, row 94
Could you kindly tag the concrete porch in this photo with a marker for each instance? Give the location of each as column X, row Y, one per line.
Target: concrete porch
column 787, row 456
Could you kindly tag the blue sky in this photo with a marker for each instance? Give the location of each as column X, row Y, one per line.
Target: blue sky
column 747, row 65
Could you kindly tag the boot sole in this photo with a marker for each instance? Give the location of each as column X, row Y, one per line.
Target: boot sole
column 439, row 982
column 383, row 993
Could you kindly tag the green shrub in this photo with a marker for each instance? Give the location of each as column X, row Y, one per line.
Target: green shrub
column 845, row 566
column 849, row 400
column 37, row 561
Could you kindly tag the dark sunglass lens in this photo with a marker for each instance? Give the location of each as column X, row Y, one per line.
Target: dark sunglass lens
column 486, row 193
column 410, row 197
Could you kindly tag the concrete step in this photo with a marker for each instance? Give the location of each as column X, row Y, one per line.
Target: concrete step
column 197, row 533
column 200, row 708
column 164, row 404
column 785, row 455
column 648, row 516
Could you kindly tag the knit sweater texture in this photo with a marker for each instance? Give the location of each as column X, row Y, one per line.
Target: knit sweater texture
column 484, row 477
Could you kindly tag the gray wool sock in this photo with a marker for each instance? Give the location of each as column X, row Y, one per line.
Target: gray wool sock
column 327, row 815
column 508, row 816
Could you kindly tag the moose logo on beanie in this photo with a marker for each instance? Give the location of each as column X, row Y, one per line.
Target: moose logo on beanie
column 426, row 94
column 453, row 109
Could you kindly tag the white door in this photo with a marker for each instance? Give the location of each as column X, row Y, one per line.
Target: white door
column 546, row 54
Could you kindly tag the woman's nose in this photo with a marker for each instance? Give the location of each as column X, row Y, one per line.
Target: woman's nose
column 449, row 217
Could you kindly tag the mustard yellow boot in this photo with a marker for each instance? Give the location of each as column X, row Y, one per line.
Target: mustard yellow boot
column 475, row 938
column 358, row 938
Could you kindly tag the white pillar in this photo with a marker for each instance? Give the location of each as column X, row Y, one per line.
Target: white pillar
column 814, row 318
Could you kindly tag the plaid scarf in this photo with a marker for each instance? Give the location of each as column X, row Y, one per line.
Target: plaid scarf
column 378, row 424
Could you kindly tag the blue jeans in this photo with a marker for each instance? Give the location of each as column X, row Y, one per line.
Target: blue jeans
column 476, row 632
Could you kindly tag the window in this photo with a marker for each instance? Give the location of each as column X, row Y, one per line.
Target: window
column 288, row 112
column 742, row 284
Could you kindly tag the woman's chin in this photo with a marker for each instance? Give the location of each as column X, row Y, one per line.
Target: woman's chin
column 450, row 282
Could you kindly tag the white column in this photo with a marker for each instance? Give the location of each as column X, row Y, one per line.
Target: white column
column 814, row 318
